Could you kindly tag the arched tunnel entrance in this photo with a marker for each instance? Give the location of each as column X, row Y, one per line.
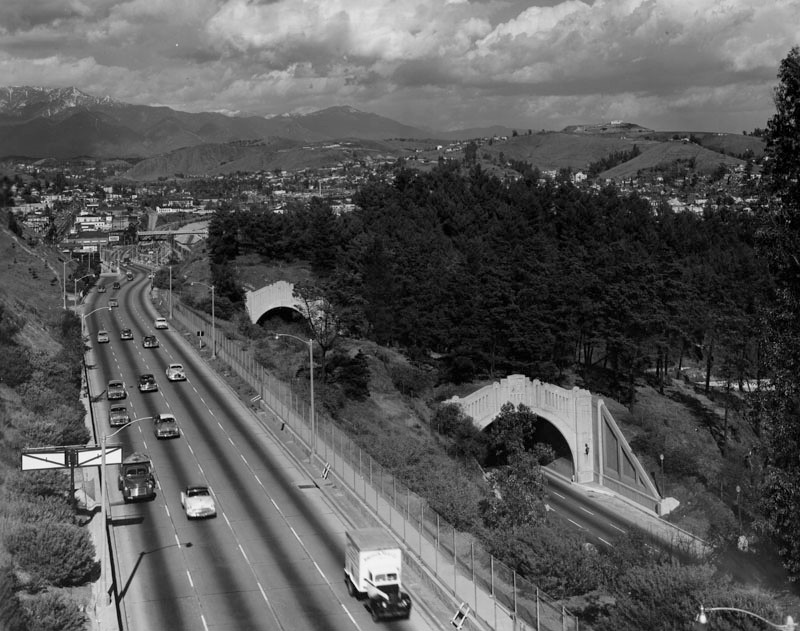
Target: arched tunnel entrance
column 546, row 433
column 279, row 317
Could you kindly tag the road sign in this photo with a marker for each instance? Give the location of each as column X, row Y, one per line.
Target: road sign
column 93, row 456
column 33, row 459
column 66, row 457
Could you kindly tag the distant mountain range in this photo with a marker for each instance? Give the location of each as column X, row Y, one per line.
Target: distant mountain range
column 39, row 122
column 62, row 123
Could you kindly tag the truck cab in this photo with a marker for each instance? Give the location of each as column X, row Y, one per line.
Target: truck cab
column 136, row 479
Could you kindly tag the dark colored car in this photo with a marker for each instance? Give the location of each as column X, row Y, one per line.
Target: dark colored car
column 126, row 334
column 150, row 341
column 147, row 383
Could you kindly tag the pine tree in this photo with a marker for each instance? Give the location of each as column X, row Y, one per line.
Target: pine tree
column 777, row 410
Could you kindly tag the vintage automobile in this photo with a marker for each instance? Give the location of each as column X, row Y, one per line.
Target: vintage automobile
column 150, row 341
column 116, row 390
column 113, row 302
column 102, row 336
column 197, row 501
column 118, row 416
column 147, row 383
column 175, row 372
column 165, row 426
column 161, row 323
column 126, row 334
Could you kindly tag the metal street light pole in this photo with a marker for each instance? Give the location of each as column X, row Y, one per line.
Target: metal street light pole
column 103, row 514
column 790, row 624
column 170, row 292
column 663, row 481
column 213, row 319
column 86, row 315
column 310, row 344
column 739, row 505
column 75, row 288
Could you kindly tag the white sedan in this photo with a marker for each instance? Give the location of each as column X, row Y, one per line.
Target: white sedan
column 175, row 372
column 197, row 501
column 161, row 323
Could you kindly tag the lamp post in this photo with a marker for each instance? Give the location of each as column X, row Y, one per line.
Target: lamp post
column 103, row 515
column 213, row 319
column 86, row 315
column 170, row 292
column 310, row 343
column 75, row 288
column 789, row 625
column 739, row 505
column 663, row 482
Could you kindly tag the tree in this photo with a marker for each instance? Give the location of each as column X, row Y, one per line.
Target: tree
column 777, row 410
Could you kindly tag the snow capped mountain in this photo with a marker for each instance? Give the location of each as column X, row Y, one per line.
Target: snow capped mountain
column 27, row 101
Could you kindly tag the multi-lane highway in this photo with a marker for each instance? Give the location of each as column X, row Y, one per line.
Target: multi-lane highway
column 273, row 557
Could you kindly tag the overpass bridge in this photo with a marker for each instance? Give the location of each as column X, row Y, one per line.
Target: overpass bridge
column 600, row 454
column 279, row 295
column 598, row 450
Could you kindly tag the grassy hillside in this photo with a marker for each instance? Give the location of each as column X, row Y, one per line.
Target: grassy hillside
column 30, row 286
column 659, row 157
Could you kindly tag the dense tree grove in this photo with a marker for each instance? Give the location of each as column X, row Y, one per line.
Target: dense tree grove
column 777, row 410
column 532, row 277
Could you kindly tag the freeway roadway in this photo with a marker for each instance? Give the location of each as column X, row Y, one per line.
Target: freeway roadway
column 273, row 557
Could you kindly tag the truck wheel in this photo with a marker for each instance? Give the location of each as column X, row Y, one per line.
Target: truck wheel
column 351, row 589
column 375, row 616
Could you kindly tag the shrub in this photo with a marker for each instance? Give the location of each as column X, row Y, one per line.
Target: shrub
column 52, row 611
column 16, row 368
column 29, row 509
column 61, row 554
column 47, row 483
column 350, row 374
column 409, row 380
column 12, row 615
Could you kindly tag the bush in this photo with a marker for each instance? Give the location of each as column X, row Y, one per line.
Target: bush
column 45, row 484
column 30, row 509
column 12, row 615
column 16, row 368
column 51, row 611
column 409, row 380
column 61, row 554
column 350, row 374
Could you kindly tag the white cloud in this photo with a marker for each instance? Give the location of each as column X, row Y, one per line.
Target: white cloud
column 476, row 61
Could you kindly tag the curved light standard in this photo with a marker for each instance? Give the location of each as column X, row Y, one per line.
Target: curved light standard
column 86, row 315
column 310, row 344
column 75, row 288
column 103, row 515
column 789, row 625
column 64, row 282
column 213, row 319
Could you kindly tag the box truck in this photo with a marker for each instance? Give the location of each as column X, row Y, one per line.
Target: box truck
column 373, row 570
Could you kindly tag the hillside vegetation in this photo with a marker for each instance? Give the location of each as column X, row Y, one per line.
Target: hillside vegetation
column 47, row 559
column 473, row 280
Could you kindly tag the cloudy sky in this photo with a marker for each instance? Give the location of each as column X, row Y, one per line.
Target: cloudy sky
column 705, row 65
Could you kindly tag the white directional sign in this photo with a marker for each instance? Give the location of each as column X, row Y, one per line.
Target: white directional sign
column 65, row 457
column 93, row 456
column 44, row 459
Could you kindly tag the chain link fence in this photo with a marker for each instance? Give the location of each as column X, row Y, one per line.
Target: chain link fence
column 494, row 593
